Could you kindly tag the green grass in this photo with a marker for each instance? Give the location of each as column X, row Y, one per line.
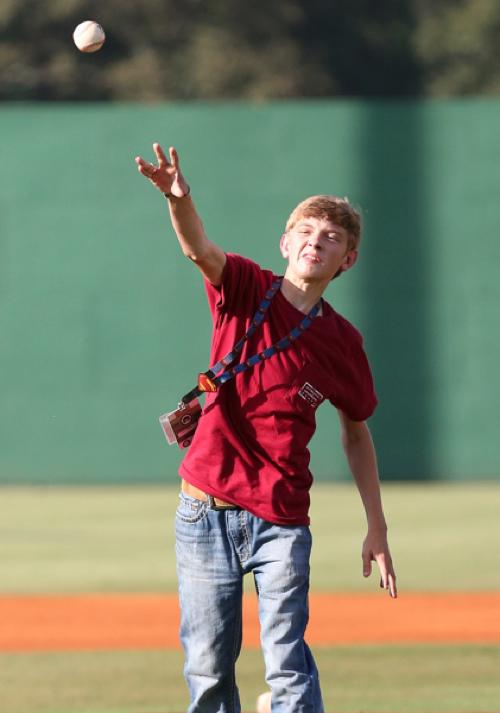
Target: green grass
column 110, row 539
column 409, row 679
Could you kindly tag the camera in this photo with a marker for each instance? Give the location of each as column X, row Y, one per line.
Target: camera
column 179, row 425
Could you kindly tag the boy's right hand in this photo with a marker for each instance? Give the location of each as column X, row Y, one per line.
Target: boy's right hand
column 166, row 176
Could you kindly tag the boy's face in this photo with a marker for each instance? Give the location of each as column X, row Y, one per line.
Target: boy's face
column 316, row 249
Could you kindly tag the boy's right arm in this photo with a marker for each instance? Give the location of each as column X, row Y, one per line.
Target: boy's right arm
column 167, row 177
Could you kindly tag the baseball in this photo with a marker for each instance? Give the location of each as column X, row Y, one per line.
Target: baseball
column 89, row 36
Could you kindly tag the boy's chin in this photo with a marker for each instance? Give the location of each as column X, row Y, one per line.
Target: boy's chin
column 314, row 273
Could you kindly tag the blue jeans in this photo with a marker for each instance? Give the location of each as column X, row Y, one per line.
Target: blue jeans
column 215, row 549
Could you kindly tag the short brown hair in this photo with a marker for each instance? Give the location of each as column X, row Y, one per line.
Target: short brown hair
column 338, row 210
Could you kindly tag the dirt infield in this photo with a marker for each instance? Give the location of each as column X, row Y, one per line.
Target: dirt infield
column 150, row 621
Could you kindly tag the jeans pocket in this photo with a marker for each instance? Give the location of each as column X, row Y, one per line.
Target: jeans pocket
column 190, row 509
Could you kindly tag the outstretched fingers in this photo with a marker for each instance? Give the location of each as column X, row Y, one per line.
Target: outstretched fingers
column 387, row 574
column 393, row 590
column 174, row 157
column 166, row 175
column 377, row 551
column 389, row 583
column 160, row 155
column 147, row 169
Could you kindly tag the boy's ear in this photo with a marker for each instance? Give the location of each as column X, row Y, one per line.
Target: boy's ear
column 284, row 245
column 349, row 260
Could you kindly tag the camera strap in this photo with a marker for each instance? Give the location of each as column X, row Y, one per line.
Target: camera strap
column 209, row 381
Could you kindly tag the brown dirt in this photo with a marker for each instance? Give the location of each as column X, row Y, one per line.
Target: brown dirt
column 150, row 621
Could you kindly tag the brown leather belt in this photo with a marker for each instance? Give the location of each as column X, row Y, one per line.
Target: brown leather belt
column 213, row 503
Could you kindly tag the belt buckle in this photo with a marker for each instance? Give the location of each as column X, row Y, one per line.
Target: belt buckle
column 213, row 506
column 211, row 503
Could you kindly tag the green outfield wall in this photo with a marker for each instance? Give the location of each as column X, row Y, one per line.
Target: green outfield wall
column 103, row 324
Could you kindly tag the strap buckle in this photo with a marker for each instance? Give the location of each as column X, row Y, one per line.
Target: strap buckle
column 206, row 384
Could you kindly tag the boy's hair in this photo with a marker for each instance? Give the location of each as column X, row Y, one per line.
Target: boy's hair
column 338, row 210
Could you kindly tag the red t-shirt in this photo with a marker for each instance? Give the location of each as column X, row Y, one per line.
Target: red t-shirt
column 250, row 447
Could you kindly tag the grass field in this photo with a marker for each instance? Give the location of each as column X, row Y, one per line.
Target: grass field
column 54, row 540
column 121, row 539
column 409, row 679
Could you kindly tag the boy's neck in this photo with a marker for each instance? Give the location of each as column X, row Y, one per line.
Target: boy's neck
column 302, row 295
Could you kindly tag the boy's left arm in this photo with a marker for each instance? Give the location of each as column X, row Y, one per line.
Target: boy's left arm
column 360, row 451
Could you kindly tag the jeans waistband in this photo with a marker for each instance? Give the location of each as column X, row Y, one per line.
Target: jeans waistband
column 213, row 503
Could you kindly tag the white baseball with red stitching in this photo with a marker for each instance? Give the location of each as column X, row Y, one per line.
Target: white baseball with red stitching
column 89, row 36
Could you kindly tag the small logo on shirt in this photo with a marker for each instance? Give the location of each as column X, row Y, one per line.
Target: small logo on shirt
column 311, row 395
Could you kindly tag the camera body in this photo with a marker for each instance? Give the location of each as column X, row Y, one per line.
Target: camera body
column 179, row 425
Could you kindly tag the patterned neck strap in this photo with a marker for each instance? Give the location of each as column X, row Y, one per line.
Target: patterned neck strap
column 209, row 381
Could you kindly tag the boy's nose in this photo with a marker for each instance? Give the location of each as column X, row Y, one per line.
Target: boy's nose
column 314, row 239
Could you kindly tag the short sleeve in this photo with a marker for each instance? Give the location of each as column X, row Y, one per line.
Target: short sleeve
column 242, row 283
column 366, row 402
column 357, row 398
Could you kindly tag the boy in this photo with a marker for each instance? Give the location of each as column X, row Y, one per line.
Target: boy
column 245, row 479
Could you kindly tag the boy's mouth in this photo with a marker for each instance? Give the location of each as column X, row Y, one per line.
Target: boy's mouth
column 312, row 258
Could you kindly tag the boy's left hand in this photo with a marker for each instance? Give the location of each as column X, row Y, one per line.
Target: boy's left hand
column 376, row 549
